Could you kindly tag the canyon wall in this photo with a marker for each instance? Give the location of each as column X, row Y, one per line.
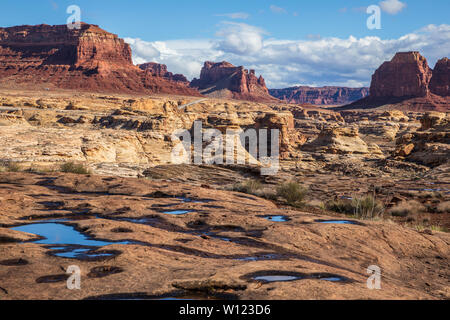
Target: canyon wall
column 86, row 59
column 319, row 96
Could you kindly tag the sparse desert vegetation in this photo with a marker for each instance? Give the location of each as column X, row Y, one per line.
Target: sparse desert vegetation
column 71, row 167
column 9, row 166
column 406, row 208
column 293, row 193
column 365, row 207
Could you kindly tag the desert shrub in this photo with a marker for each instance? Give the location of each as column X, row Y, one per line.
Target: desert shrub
column 37, row 169
column 340, row 206
column 293, row 193
column 249, row 186
column 267, row 195
column 74, row 168
column 439, row 228
column 444, row 207
column 10, row 166
column 366, row 207
column 406, row 208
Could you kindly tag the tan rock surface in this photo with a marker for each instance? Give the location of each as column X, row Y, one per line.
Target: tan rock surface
column 169, row 249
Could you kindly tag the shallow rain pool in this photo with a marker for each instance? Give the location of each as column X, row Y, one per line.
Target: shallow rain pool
column 177, row 212
column 337, row 221
column 277, row 218
column 66, row 241
column 276, row 278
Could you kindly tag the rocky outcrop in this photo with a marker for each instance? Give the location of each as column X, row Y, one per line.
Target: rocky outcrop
column 406, row 83
column 341, row 141
column 224, row 80
column 406, row 75
column 320, row 96
column 160, row 70
column 430, row 145
column 86, row 59
column 440, row 82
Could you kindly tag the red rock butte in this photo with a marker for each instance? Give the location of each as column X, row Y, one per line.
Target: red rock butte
column 224, row 80
column 406, row 75
column 88, row 58
column 410, row 83
column 160, row 70
column 440, row 82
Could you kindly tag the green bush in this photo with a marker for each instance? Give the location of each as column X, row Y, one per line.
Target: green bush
column 293, row 193
column 74, row 168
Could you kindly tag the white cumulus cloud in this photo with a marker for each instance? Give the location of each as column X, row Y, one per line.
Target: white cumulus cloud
column 239, row 38
column 276, row 9
column 234, row 15
column 392, row 6
column 282, row 62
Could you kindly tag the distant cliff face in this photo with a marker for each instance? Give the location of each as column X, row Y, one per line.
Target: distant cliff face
column 320, row 96
column 406, row 75
column 89, row 59
column 160, row 70
column 224, row 80
column 440, row 82
column 408, row 83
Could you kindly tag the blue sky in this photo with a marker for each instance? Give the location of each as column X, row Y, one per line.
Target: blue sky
column 180, row 19
column 242, row 31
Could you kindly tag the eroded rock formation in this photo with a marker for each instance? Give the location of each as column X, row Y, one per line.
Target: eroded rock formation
column 320, row 96
column 407, row 83
column 430, row 144
column 86, row 59
column 341, row 141
column 224, row 80
column 160, row 70
column 440, row 82
column 406, row 75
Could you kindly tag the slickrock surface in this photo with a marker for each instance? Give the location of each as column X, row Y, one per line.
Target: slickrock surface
column 224, row 80
column 213, row 250
column 320, row 96
column 88, row 59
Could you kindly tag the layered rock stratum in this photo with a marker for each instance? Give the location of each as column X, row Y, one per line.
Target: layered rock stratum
column 88, row 58
column 224, row 80
column 407, row 82
column 319, row 96
column 440, row 82
column 407, row 75
column 160, row 70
